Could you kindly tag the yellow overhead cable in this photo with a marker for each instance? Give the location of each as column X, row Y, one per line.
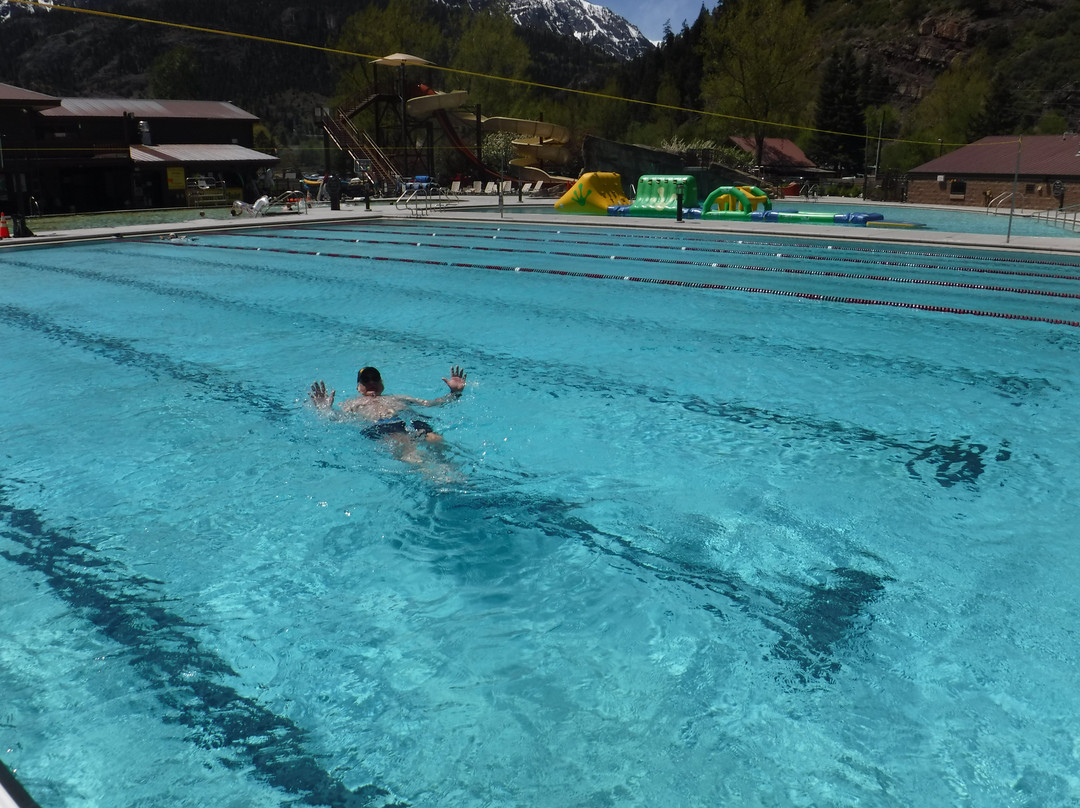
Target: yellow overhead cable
column 538, row 85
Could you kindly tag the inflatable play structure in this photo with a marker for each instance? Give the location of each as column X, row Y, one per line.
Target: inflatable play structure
column 660, row 196
column 596, row 193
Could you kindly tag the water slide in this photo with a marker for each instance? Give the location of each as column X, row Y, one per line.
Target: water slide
column 427, row 103
column 539, row 142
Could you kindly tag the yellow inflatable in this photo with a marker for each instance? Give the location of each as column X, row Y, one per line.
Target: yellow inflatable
column 594, row 192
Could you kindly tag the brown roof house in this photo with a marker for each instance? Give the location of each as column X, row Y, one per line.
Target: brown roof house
column 780, row 157
column 63, row 155
column 1045, row 169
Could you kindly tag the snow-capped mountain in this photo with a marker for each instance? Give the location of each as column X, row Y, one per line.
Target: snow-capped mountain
column 585, row 21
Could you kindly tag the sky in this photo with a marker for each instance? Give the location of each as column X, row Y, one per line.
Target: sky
column 650, row 15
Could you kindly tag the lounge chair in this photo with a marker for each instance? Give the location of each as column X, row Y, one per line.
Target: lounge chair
column 537, row 187
column 455, row 187
column 491, row 188
column 477, row 187
column 526, row 188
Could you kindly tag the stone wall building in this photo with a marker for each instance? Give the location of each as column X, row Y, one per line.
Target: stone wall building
column 1045, row 170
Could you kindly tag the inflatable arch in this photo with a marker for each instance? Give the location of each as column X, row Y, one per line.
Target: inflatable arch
column 734, row 202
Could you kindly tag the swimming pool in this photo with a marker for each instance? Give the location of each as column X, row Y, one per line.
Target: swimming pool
column 720, row 521
column 942, row 219
column 936, row 219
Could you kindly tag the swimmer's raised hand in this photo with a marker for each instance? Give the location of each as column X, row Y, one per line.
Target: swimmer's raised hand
column 319, row 397
column 456, row 382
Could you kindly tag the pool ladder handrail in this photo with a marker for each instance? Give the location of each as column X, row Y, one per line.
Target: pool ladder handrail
column 423, row 200
column 1067, row 218
column 994, row 205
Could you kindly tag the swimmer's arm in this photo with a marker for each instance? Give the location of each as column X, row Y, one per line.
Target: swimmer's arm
column 456, row 383
column 428, row 402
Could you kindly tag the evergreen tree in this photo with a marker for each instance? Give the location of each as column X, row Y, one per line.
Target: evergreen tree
column 874, row 86
column 1001, row 113
column 839, row 136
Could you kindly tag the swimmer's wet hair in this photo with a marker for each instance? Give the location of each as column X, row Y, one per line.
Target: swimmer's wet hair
column 368, row 377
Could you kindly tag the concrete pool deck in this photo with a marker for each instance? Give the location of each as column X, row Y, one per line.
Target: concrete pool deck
column 539, row 211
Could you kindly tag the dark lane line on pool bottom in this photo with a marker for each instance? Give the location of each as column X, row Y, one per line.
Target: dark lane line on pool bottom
column 128, row 609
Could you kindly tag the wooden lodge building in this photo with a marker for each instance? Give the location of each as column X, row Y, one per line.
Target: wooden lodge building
column 1047, row 176
column 67, row 155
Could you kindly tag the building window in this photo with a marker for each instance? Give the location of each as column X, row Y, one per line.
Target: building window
column 957, row 189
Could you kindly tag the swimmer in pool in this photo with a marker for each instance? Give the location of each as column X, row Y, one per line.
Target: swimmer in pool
column 385, row 413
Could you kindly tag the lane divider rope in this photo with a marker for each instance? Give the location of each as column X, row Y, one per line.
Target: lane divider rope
column 812, row 296
column 718, row 265
column 789, row 242
column 711, row 248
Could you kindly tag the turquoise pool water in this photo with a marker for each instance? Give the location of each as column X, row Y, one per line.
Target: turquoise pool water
column 935, row 219
column 718, row 521
column 938, row 219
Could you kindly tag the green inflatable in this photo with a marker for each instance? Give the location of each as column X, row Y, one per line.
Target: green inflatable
column 734, row 202
column 657, row 195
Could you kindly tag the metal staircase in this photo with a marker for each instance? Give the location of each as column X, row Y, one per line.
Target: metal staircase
column 361, row 147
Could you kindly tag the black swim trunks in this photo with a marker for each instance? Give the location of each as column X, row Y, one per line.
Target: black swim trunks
column 397, row 426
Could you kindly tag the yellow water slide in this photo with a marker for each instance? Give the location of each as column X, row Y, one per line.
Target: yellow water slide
column 537, row 143
column 593, row 193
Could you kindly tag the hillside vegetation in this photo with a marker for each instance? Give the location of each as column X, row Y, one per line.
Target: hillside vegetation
column 925, row 74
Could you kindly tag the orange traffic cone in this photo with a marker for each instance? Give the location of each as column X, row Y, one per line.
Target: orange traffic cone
column 5, row 228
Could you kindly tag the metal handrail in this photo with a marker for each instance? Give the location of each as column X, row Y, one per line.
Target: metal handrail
column 402, row 202
column 1067, row 218
column 421, row 201
column 995, row 204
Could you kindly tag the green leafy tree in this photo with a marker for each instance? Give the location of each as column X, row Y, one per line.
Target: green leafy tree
column 176, row 74
column 490, row 46
column 603, row 115
column 949, row 112
column 759, row 58
column 1051, row 123
column 405, row 26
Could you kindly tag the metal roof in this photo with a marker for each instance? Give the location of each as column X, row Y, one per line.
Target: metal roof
column 1040, row 156
column 11, row 95
column 182, row 154
column 776, row 151
column 147, row 108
